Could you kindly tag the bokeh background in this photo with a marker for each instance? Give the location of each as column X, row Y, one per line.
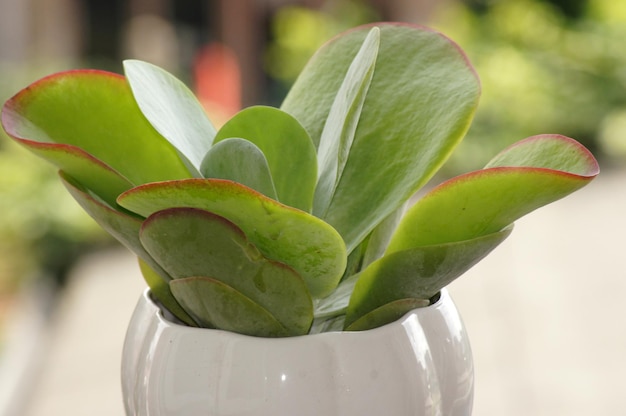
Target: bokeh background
column 540, row 313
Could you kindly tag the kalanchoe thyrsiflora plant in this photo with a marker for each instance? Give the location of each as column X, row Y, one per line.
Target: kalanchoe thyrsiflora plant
column 288, row 221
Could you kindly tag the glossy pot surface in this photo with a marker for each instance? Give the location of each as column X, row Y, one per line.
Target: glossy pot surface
column 418, row 365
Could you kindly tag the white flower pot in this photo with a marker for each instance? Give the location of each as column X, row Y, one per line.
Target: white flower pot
column 418, row 365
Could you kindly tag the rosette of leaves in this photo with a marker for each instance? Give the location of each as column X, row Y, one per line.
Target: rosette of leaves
column 288, row 221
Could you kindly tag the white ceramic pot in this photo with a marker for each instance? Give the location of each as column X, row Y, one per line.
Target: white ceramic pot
column 418, row 365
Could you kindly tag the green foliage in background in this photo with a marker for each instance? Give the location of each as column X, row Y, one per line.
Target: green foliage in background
column 543, row 68
column 297, row 32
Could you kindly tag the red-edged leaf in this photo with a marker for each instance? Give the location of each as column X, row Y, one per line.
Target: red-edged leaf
column 524, row 177
column 87, row 123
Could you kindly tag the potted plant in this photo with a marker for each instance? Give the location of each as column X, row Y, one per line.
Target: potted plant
column 285, row 276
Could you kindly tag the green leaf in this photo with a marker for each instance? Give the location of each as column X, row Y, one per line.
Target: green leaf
column 321, row 325
column 172, row 109
column 548, row 151
column 378, row 240
column 287, row 146
column 98, row 177
column 337, row 302
column 124, row 226
column 215, row 304
column 189, row 242
column 338, row 134
column 416, row 273
column 386, row 314
column 486, row 201
column 160, row 289
column 303, row 242
column 419, row 105
column 87, row 123
column 241, row 161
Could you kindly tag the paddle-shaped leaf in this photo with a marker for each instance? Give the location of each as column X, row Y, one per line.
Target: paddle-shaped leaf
column 241, row 161
column 549, row 151
column 416, row 273
column 287, row 146
column 160, row 289
column 519, row 180
column 122, row 225
column 418, row 107
column 125, row 227
column 87, row 123
column 172, row 109
column 189, row 242
column 343, row 118
column 215, row 304
column 303, row 242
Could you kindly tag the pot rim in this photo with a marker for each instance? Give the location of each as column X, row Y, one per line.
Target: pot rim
column 166, row 319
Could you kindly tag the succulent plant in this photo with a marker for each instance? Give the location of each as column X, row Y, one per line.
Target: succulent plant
column 289, row 221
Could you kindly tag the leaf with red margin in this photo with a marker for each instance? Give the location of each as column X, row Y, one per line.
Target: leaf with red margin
column 303, row 242
column 462, row 220
column 125, row 228
column 190, row 242
column 87, row 123
column 527, row 175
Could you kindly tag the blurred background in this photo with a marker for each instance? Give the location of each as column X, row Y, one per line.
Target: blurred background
column 544, row 312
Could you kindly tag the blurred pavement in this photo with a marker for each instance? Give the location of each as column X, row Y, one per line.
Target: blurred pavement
column 546, row 315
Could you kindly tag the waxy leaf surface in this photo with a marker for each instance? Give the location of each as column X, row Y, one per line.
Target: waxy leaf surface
column 548, row 151
column 87, row 123
column 241, row 161
column 216, row 305
column 519, row 180
column 160, row 289
column 293, row 237
column 337, row 302
column 416, row 273
column 189, row 242
column 125, row 227
column 287, row 146
column 172, row 109
column 122, row 225
column 418, row 107
column 338, row 134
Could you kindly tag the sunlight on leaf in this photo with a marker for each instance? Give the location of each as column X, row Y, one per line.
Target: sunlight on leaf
column 87, row 123
column 486, row 201
column 338, row 134
column 304, row 242
column 419, row 105
column 172, row 109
